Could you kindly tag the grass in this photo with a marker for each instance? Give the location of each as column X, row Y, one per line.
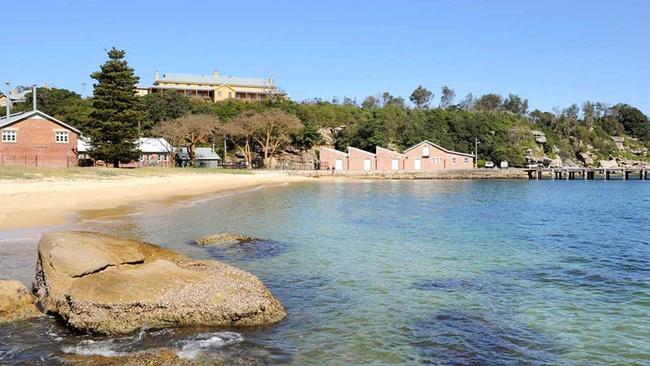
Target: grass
column 33, row 173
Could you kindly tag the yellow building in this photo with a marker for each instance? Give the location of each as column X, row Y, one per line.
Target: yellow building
column 214, row 87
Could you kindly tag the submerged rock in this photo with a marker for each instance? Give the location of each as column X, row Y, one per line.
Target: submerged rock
column 223, row 239
column 106, row 284
column 16, row 302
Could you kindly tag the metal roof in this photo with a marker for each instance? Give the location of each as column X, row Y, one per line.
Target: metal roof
column 213, row 80
column 202, row 153
column 145, row 145
column 16, row 117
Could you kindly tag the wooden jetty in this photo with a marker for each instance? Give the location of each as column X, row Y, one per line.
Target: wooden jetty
column 588, row 173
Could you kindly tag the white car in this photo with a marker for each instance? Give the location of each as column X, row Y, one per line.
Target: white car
column 489, row 164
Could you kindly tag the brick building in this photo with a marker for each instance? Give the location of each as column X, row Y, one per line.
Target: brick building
column 35, row 138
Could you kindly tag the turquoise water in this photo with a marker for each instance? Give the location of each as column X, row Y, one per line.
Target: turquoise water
column 406, row 272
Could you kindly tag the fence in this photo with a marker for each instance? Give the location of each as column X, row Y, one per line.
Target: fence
column 38, row 160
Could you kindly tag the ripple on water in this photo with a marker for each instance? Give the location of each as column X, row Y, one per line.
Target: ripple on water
column 460, row 338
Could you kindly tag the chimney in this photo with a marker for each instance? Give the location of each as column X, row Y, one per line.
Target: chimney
column 215, row 73
column 34, row 96
column 8, row 101
column 157, row 76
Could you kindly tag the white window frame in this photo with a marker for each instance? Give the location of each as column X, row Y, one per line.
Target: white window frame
column 453, row 161
column 466, row 161
column 10, row 132
column 65, row 137
column 426, row 151
column 437, row 160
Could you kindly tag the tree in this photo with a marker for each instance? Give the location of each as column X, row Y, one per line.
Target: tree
column 62, row 104
column 468, row 102
column 370, row 102
column 241, row 130
column 516, row 104
column 421, row 97
column 447, row 97
column 187, row 131
column 165, row 106
column 489, row 102
column 113, row 127
column 633, row 120
column 589, row 113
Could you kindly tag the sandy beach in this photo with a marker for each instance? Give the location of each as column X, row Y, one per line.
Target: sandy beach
column 34, row 203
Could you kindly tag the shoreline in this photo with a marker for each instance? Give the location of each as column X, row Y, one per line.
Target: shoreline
column 30, row 204
column 510, row 173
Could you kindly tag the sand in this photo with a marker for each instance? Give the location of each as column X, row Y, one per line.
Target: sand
column 51, row 202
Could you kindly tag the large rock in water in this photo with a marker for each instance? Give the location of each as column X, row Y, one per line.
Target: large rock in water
column 106, row 284
column 16, row 302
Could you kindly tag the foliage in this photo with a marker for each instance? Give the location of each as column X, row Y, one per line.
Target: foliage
column 164, row 106
column 188, row 131
column 421, row 97
column 113, row 126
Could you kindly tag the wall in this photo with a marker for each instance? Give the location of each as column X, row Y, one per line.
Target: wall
column 385, row 158
column 328, row 159
column 357, row 157
column 35, row 145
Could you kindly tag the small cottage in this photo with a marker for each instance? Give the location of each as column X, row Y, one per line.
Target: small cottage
column 360, row 159
column 389, row 159
column 331, row 159
column 35, row 138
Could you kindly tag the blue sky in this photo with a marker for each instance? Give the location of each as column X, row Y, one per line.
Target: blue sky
column 552, row 52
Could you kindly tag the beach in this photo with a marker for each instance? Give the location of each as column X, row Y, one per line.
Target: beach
column 50, row 200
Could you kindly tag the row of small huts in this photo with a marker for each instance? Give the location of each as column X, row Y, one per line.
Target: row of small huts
column 425, row 156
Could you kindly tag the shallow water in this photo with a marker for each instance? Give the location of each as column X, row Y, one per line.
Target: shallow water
column 395, row 272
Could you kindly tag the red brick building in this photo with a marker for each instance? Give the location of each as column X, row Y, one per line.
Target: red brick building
column 37, row 139
column 360, row 159
column 427, row 156
column 389, row 159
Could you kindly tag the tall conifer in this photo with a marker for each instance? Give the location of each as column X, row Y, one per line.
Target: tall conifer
column 113, row 127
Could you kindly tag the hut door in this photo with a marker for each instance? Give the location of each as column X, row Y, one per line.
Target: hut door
column 394, row 164
column 417, row 164
column 366, row 164
column 339, row 164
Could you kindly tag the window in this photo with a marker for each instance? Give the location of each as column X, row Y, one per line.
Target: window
column 219, row 93
column 426, row 151
column 466, row 160
column 9, row 135
column 453, row 160
column 61, row 137
column 437, row 160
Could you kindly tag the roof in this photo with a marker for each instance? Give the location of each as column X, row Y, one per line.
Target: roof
column 333, row 150
column 154, row 145
column 212, row 79
column 174, row 87
column 439, row 147
column 202, row 153
column 359, row 150
column 17, row 117
column 145, row 144
column 389, row 150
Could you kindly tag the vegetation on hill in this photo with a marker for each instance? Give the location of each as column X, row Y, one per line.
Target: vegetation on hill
column 504, row 127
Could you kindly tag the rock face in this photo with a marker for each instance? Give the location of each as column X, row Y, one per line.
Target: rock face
column 223, row 239
column 106, row 284
column 608, row 164
column 16, row 302
column 585, row 159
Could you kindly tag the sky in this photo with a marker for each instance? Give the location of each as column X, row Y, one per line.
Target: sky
column 552, row 52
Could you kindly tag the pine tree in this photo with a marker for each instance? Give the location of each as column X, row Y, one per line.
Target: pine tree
column 113, row 127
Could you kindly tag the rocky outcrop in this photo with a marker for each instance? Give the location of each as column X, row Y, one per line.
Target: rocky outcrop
column 106, row 284
column 16, row 302
column 587, row 160
column 223, row 239
column 294, row 158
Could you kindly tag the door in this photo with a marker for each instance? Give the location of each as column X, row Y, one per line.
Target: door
column 394, row 164
column 339, row 164
column 417, row 164
column 366, row 164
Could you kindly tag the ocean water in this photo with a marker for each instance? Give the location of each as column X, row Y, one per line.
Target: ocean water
column 400, row 272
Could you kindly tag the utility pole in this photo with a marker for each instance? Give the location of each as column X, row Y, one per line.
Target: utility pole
column 34, row 97
column 83, row 90
column 476, row 152
column 225, row 151
column 8, row 104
